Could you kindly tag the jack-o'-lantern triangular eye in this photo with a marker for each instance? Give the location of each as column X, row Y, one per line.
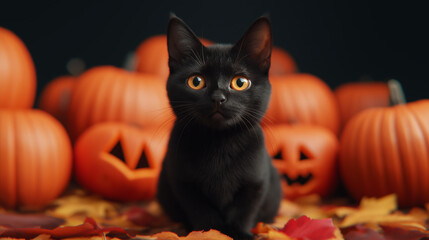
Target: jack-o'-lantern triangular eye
column 278, row 156
column 304, row 154
column 118, row 152
column 143, row 161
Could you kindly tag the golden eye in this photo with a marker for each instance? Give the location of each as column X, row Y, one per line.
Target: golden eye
column 196, row 82
column 240, row 83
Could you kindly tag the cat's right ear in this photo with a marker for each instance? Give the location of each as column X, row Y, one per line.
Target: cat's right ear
column 181, row 41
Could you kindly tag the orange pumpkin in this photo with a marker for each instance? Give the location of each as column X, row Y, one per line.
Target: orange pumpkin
column 355, row 97
column 386, row 150
column 152, row 56
column 306, row 158
column 108, row 93
column 55, row 98
column 281, row 62
column 119, row 161
column 35, row 159
column 17, row 72
column 302, row 98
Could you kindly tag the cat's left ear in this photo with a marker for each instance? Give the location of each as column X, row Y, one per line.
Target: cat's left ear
column 181, row 41
column 256, row 44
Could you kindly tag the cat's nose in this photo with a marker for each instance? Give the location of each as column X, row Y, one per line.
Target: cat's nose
column 218, row 97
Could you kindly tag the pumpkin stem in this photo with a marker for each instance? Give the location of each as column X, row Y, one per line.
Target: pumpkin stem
column 397, row 95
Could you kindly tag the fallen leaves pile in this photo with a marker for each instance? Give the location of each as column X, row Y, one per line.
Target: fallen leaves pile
column 79, row 214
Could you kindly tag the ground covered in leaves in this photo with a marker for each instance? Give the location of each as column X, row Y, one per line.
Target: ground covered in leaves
column 78, row 214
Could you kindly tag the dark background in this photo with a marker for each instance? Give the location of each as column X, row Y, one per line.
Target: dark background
column 337, row 41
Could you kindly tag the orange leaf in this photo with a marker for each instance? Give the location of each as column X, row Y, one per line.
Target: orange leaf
column 195, row 235
column 209, row 235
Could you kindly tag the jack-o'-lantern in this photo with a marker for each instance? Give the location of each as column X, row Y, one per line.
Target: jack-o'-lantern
column 306, row 158
column 107, row 93
column 304, row 99
column 35, row 159
column 119, row 161
column 152, row 56
column 385, row 150
column 17, row 72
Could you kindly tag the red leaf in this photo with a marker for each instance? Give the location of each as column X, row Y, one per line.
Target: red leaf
column 362, row 233
column 392, row 232
column 11, row 220
column 87, row 229
column 306, row 228
column 140, row 216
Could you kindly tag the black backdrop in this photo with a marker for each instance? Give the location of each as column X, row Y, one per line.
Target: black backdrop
column 338, row 42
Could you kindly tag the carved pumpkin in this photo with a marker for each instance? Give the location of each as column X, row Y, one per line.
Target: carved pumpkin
column 306, row 158
column 17, row 72
column 119, row 161
column 386, row 150
column 355, row 97
column 302, row 98
column 107, row 93
column 55, row 98
column 152, row 56
column 35, row 159
column 281, row 62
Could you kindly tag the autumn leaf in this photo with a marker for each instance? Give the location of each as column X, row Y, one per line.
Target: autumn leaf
column 87, row 229
column 306, row 228
column 372, row 211
column 85, row 205
column 300, row 229
column 13, row 220
column 397, row 231
column 141, row 217
column 195, row 235
column 363, row 233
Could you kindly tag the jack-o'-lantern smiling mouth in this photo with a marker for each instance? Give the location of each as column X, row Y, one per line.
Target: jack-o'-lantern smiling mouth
column 300, row 180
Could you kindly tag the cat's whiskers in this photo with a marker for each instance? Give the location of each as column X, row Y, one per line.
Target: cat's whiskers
column 248, row 117
column 190, row 115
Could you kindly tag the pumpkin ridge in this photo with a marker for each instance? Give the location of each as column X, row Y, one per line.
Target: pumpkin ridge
column 30, row 148
column 391, row 149
column 378, row 154
column 363, row 154
column 403, row 146
column 80, row 103
column 426, row 142
column 97, row 102
column 425, row 168
column 13, row 196
column 112, row 89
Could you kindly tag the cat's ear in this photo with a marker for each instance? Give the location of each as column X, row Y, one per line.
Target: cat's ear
column 256, row 44
column 181, row 41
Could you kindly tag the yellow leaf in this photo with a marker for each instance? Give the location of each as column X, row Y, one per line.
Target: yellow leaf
column 276, row 235
column 373, row 211
column 85, row 205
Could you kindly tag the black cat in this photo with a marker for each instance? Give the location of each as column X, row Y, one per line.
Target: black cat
column 217, row 173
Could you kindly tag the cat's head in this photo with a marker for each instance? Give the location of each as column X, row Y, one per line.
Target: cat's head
column 219, row 86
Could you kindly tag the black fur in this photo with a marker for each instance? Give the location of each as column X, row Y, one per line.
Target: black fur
column 217, row 173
